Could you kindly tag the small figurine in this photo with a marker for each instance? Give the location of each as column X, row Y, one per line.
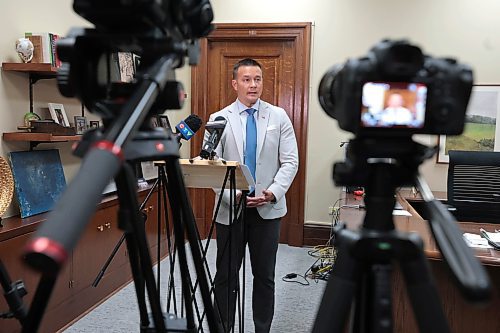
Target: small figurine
column 24, row 48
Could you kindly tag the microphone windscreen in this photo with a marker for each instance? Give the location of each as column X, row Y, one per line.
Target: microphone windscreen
column 189, row 126
column 219, row 123
column 194, row 122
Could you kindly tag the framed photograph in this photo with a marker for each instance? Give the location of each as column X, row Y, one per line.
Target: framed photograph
column 58, row 114
column 153, row 121
column 127, row 66
column 80, row 124
column 163, row 121
column 94, row 124
column 481, row 131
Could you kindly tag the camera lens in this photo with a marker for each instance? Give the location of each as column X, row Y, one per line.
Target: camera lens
column 325, row 91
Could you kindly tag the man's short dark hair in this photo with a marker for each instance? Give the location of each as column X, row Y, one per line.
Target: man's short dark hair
column 244, row 62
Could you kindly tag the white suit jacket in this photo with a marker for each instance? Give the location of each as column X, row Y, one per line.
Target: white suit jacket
column 277, row 155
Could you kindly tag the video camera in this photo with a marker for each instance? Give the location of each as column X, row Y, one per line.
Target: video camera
column 149, row 29
column 396, row 90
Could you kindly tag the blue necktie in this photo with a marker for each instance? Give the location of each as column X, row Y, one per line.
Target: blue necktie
column 251, row 142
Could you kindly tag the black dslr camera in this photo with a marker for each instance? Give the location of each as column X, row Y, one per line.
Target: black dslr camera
column 396, row 90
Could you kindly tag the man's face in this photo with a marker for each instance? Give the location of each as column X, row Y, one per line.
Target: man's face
column 395, row 101
column 248, row 84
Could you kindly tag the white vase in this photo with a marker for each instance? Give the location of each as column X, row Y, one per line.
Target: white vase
column 24, row 48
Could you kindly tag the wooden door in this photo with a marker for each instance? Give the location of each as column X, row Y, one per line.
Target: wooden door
column 283, row 51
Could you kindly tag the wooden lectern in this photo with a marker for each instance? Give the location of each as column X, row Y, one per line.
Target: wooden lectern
column 211, row 173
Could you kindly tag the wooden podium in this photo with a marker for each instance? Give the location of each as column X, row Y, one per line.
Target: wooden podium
column 211, row 174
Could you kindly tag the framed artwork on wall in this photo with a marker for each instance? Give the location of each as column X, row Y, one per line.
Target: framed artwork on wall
column 481, row 132
column 58, row 114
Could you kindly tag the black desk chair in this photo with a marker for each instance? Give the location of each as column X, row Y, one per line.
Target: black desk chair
column 474, row 185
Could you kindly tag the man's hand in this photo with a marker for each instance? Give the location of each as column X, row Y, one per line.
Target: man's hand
column 267, row 196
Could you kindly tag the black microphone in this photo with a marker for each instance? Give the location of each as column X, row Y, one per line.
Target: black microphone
column 215, row 128
column 188, row 127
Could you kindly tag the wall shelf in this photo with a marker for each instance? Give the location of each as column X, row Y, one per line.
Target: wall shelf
column 39, row 69
column 36, row 138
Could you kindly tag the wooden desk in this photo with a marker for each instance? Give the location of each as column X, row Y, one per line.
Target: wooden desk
column 462, row 316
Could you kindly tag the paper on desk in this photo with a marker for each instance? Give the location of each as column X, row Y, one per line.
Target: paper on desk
column 474, row 240
column 400, row 212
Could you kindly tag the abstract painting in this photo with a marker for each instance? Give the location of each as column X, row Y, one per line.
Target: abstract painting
column 38, row 178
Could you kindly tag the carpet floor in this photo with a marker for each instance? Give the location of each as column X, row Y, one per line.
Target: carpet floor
column 295, row 307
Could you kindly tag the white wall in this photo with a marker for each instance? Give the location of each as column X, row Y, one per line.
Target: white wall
column 464, row 29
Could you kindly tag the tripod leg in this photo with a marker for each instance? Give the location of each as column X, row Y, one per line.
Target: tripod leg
column 340, row 289
column 373, row 304
column 138, row 280
column 423, row 295
column 162, row 202
column 39, row 303
column 142, row 267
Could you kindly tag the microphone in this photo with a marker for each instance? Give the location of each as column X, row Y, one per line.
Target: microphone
column 215, row 128
column 188, row 127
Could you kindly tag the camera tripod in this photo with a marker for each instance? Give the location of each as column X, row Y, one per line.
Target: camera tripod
column 361, row 276
column 108, row 157
column 161, row 186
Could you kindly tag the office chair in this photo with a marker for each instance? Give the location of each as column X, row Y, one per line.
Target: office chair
column 474, row 185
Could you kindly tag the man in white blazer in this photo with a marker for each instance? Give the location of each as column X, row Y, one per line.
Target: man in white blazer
column 273, row 162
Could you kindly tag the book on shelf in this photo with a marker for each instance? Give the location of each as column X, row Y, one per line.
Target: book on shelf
column 37, row 49
column 45, row 47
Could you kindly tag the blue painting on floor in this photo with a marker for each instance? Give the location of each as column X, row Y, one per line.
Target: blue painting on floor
column 39, row 180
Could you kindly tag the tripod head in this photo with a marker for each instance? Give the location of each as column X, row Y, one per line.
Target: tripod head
column 404, row 154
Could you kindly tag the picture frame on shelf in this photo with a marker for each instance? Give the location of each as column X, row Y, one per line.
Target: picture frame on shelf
column 163, row 121
column 80, row 125
column 481, row 132
column 94, row 124
column 58, row 114
column 153, row 122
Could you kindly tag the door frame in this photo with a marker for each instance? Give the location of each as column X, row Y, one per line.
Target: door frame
column 300, row 33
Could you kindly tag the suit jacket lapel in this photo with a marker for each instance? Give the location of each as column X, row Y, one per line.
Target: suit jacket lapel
column 264, row 112
column 235, row 121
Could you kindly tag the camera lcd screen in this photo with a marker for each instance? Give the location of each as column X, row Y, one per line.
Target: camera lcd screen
column 393, row 105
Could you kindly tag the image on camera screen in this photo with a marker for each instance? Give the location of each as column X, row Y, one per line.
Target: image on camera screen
column 393, row 104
